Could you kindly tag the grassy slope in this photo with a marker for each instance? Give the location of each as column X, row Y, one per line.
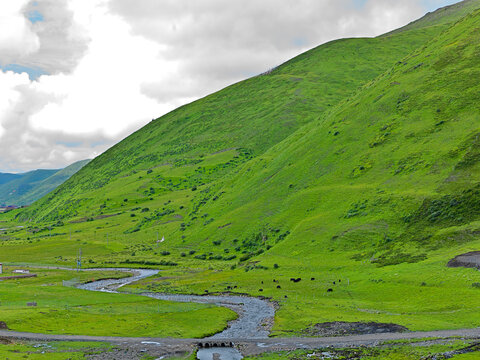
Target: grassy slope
column 379, row 191
column 251, row 115
column 449, row 13
column 388, row 178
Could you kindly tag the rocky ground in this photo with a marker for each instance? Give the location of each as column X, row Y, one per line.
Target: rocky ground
column 468, row 260
column 339, row 328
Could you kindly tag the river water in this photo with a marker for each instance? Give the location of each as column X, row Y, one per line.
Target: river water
column 252, row 312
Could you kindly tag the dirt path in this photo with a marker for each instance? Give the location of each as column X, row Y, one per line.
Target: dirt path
column 252, row 346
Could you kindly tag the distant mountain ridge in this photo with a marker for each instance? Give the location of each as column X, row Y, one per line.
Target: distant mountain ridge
column 24, row 189
column 7, row 177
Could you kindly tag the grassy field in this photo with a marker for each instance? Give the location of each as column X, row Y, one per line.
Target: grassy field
column 62, row 350
column 51, row 351
column 67, row 310
column 355, row 163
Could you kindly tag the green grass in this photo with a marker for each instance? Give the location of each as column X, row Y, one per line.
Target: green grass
column 51, row 351
column 423, row 296
column 469, row 356
column 66, row 310
column 358, row 160
column 252, row 116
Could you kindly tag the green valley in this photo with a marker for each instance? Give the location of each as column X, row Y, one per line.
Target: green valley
column 352, row 169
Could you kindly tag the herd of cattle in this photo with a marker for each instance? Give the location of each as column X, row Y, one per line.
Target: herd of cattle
column 294, row 280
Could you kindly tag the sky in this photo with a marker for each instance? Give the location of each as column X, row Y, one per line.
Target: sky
column 77, row 76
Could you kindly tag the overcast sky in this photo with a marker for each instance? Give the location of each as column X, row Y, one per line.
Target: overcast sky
column 77, row 76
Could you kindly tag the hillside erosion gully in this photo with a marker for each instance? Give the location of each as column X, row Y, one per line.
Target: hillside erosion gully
column 248, row 331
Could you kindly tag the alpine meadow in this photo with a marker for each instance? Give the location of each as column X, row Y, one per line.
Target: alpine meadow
column 340, row 186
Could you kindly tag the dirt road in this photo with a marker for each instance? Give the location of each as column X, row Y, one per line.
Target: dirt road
column 251, row 346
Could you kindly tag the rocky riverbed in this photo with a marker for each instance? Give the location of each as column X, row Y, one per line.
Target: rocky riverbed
column 255, row 316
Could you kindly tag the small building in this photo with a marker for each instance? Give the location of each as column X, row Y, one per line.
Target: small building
column 1, row 268
column 21, row 271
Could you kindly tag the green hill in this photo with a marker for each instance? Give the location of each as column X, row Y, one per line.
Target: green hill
column 24, row 189
column 353, row 166
column 250, row 116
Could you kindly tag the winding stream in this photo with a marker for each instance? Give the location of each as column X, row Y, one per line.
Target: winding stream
column 254, row 314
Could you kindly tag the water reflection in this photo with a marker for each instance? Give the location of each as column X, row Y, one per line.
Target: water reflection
column 223, row 354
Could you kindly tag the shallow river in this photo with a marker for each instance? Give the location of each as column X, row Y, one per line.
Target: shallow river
column 253, row 313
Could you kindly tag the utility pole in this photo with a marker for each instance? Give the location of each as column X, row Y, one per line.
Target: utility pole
column 107, row 239
column 79, row 260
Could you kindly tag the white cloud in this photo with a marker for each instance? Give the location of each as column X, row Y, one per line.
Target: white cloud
column 113, row 65
column 217, row 42
column 17, row 40
column 102, row 94
column 10, row 93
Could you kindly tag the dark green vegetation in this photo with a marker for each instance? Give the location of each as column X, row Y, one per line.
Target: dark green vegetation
column 356, row 164
column 24, row 189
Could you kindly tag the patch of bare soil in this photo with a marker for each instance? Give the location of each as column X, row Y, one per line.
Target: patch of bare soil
column 468, row 260
column 5, row 341
column 340, row 328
